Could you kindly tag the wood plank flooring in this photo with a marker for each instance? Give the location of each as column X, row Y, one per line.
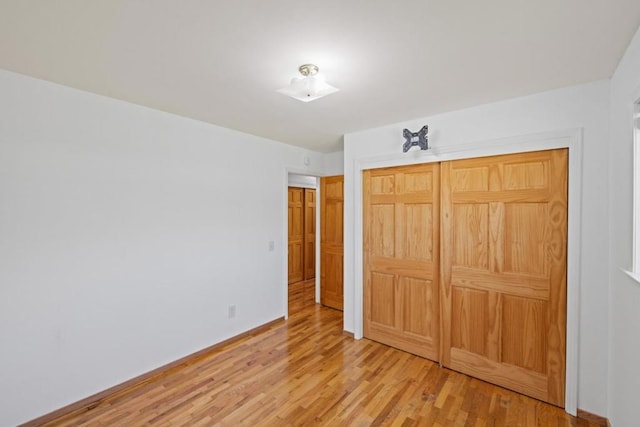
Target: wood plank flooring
column 302, row 295
column 306, row 371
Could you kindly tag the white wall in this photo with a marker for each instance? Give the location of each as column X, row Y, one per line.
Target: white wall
column 624, row 344
column 125, row 234
column 302, row 181
column 334, row 163
column 584, row 107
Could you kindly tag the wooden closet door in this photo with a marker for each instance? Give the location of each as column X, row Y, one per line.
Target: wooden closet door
column 504, row 249
column 296, row 235
column 331, row 241
column 401, row 257
column 309, row 233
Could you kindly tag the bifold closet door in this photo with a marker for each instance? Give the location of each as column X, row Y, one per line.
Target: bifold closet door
column 401, row 257
column 296, row 235
column 503, row 283
column 309, row 233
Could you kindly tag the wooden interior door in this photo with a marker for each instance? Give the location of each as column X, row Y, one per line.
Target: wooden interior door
column 331, row 241
column 296, row 234
column 503, row 285
column 401, row 257
column 309, row 233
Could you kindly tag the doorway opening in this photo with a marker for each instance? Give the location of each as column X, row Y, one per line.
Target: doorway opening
column 315, row 252
column 302, row 242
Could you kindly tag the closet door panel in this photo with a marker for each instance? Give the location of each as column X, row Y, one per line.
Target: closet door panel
column 309, row 233
column 503, row 276
column 296, row 235
column 401, row 255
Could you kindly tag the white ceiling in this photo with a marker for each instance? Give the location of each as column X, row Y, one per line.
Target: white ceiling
column 221, row 61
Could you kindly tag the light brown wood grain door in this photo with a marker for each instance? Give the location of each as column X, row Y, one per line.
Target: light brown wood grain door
column 503, row 285
column 331, row 241
column 309, row 233
column 296, row 234
column 401, row 257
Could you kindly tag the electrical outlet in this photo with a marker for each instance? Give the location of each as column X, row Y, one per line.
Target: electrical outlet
column 232, row 311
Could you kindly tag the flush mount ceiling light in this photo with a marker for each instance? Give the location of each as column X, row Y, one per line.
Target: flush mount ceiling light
column 309, row 87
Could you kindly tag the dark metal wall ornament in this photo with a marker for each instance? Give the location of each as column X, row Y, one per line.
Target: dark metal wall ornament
column 413, row 139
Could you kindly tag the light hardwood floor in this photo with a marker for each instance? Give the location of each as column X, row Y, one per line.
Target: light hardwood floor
column 302, row 295
column 306, row 371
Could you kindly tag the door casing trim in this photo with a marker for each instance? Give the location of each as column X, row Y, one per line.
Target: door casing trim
column 569, row 138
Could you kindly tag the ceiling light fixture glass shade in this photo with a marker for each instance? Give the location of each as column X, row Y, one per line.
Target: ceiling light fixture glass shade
column 309, row 87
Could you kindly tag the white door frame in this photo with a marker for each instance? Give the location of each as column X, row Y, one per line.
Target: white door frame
column 571, row 139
